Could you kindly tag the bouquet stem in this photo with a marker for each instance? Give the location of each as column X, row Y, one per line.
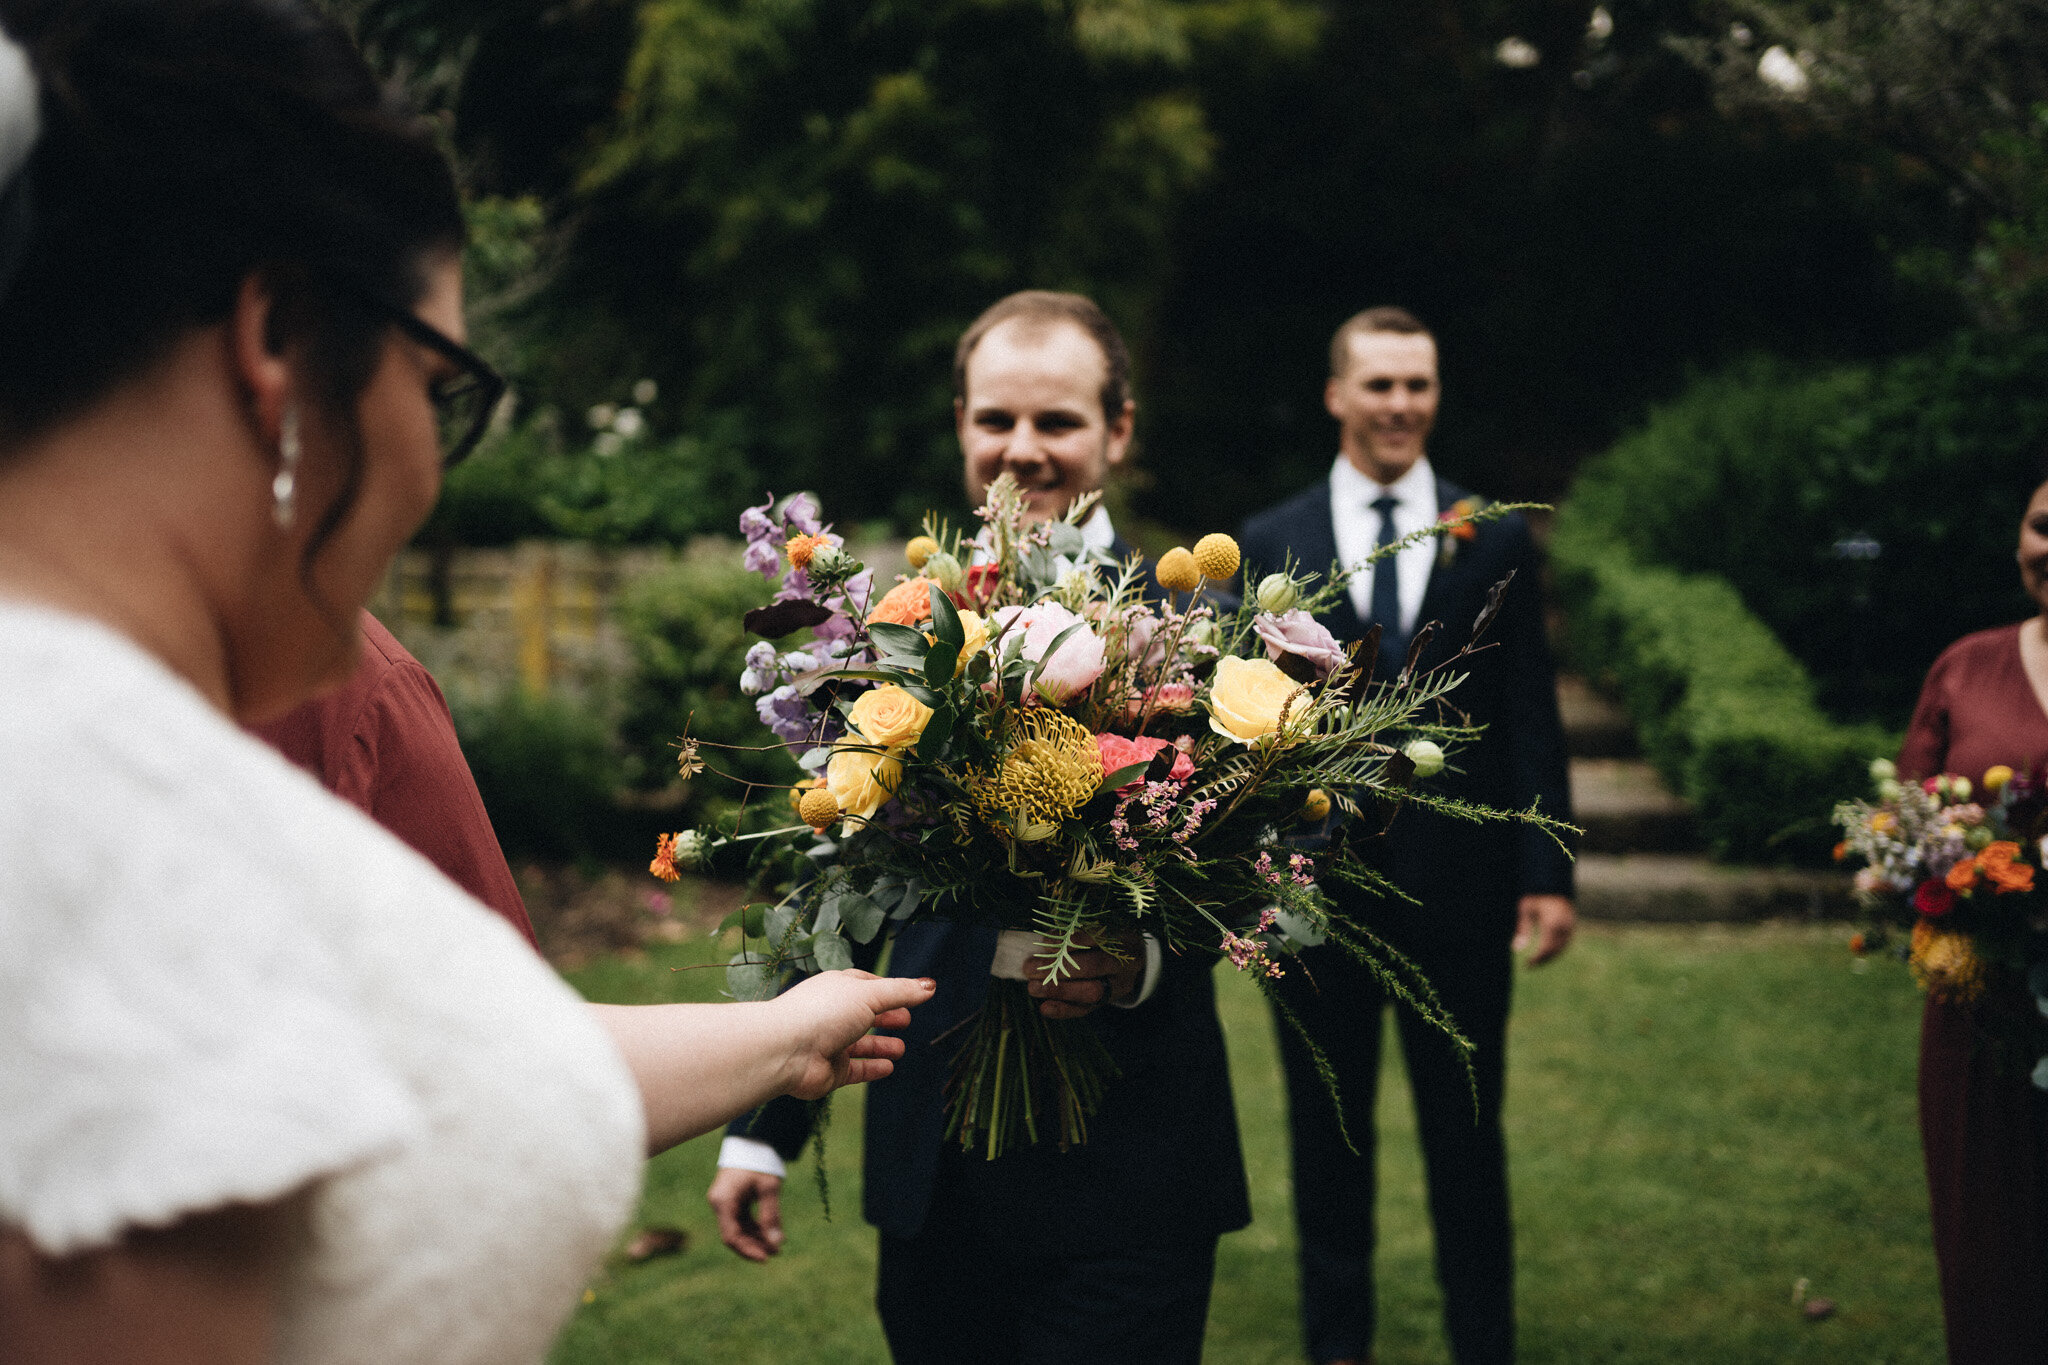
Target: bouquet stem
column 1019, row 1073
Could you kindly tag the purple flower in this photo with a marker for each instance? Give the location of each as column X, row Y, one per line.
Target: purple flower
column 756, row 524
column 759, row 674
column 763, row 558
column 786, row 713
column 800, row 514
column 1301, row 635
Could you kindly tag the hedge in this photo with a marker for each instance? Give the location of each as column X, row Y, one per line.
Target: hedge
column 1723, row 710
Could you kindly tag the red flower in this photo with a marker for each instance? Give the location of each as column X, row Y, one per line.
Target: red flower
column 1933, row 899
column 1120, row 752
column 981, row 584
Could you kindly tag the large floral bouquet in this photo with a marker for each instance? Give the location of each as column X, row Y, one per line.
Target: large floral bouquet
column 1959, row 863
column 1026, row 734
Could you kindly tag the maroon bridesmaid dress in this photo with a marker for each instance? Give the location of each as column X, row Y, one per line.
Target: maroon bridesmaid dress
column 1984, row 1129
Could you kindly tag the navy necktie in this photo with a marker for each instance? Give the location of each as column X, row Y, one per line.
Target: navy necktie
column 1386, row 592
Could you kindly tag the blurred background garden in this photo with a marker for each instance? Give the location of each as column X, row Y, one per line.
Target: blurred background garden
column 1756, row 294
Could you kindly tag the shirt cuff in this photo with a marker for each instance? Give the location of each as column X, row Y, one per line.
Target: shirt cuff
column 1155, row 960
column 750, row 1154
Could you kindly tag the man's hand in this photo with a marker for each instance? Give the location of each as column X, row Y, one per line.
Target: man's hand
column 1098, row 976
column 1544, row 926
column 828, row 1017
column 749, row 1209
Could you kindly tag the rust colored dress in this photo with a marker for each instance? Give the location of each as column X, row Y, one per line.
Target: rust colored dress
column 1984, row 1129
column 385, row 743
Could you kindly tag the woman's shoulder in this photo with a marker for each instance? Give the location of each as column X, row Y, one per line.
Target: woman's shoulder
column 1998, row 646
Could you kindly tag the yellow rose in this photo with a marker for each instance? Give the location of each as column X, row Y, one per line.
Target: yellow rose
column 889, row 716
column 861, row 780
column 1247, row 696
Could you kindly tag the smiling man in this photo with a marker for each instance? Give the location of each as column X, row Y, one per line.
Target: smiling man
column 1104, row 1252
column 1481, row 890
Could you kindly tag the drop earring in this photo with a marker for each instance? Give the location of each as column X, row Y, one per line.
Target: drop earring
column 283, row 488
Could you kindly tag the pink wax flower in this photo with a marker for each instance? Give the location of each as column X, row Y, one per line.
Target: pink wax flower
column 1121, row 751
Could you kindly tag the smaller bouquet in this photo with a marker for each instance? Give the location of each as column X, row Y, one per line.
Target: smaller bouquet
column 1959, row 864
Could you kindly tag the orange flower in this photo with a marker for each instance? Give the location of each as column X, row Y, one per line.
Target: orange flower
column 905, row 604
column 1963, row 876
column 664, row 864
column 1463, row 507
column 2000, row 864
column 801, row 548
column 1841, row 851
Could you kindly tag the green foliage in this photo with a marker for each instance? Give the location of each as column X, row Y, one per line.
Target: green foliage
column 688, row 647
column 547, row 769
column 1757, row 474
column 532, row 481
column 1724, row 712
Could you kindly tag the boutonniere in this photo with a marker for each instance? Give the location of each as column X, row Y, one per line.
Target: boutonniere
column 1457, row 528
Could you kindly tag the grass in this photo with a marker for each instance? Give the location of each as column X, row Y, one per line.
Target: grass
column 1698, row 1118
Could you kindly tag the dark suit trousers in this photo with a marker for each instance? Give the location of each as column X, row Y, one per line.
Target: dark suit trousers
column 976, row 1286
column 1465, row 1161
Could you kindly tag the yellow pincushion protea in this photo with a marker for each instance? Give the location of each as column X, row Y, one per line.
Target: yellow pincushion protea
column 1945, row 964
column 1049, row 773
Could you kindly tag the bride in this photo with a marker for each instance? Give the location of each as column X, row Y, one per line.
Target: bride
column 271, row 1088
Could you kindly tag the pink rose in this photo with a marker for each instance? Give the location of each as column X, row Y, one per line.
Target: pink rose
column 1073, row 668
column 1172, row 698
column 1300, row 634
column 1121, row 751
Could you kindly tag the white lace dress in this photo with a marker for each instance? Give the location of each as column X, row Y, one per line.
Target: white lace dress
column 218, row 983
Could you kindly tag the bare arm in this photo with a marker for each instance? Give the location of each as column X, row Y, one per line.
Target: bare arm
column 201, row 1292
column 699, row 1066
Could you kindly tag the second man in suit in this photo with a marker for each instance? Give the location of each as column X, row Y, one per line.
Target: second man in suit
column 1483, row 890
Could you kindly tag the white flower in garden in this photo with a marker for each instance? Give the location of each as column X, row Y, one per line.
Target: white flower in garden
column 644, row 392
column 1601, row 26
column 629, row 423
column 608, row 443
column 600, row 416
column 1517, row 54
column 1783, row 72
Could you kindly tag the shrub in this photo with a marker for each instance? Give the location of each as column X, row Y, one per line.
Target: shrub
column 1725, row 712
column 547, row 768
column 1756, row 474
column 688, row 646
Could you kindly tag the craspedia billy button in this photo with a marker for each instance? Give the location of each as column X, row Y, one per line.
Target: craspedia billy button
column 1216, row 556
column 1316, row 805
column 919, row 550
column 818, row 808
column 1178, row 571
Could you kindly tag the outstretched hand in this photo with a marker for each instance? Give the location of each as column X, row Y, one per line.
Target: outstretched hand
column 829, row 1017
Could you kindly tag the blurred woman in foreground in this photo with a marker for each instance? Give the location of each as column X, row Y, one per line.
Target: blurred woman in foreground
column 270, row 1086
column 1983, row 1124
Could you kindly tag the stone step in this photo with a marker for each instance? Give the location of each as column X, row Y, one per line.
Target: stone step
column 1624, row 807
column 1594, row 727
column 1681, row 889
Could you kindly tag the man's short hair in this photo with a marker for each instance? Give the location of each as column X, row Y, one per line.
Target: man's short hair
column 1046, row 307
column 1385, row 318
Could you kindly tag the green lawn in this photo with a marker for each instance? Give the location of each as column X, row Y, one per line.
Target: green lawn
column 1697, row 1119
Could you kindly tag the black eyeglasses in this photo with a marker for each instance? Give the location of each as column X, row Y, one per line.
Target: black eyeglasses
column 464, row 403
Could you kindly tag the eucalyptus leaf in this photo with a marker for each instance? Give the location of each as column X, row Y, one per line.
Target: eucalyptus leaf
column 753, row 919
column 779, row 921
column 913, row 892
column 746, row 980
column 1066, row 540
column 863, row 917
column 827, row 921
column 1299, row 932
column 832, row 952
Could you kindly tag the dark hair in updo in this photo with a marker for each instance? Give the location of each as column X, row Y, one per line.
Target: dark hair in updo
column 187, row 144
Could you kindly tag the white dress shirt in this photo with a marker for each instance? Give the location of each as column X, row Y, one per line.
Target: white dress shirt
column 1352, row 495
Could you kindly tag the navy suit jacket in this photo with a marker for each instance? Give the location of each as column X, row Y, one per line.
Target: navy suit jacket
column 1471, row 874
column 1162, row 1158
